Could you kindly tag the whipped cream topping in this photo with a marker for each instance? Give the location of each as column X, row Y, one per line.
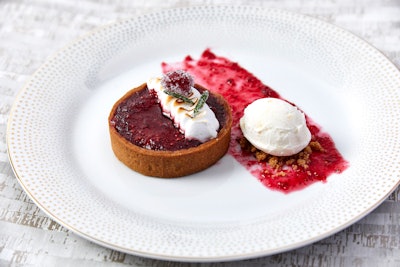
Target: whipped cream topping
column 275, row 127
column 203, row 127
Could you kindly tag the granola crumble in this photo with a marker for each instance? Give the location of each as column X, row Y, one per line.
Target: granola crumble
column 278, row 164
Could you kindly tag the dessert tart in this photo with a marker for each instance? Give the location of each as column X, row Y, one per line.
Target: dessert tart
column 170, row 127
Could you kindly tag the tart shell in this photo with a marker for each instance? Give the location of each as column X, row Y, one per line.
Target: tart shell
column 171, row 164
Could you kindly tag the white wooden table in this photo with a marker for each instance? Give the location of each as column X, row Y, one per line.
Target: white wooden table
column 30, row 31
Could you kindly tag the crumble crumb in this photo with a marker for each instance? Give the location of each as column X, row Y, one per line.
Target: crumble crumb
column 295, row 162
column 316, row 146
column 260, row 155
column 273, row 161
column 281, row 173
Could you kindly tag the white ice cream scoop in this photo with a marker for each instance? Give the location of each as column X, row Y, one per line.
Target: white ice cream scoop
column 275, row 127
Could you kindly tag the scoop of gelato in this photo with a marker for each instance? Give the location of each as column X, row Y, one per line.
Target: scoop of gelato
column 275, row 127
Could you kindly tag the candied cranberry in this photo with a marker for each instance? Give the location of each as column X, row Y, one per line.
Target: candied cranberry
column 178, row 81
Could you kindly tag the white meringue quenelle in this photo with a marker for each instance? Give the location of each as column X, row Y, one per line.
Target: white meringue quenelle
column 275, row 127
column 203, row 127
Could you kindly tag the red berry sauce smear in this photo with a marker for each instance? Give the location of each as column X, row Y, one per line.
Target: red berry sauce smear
column 240, row 88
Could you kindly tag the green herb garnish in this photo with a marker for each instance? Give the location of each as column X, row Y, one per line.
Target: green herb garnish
column 200, row 103
column 179, row 96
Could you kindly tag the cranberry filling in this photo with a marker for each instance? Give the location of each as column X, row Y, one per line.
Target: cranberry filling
column 240, row 88
column 139, row 119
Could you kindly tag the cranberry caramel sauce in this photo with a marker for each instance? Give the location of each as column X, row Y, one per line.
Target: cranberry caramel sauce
column 240, row 88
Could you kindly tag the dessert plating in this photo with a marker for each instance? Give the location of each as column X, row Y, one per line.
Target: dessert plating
column 148, row 140
column 319, row 159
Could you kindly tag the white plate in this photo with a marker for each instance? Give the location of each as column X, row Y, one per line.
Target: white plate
column 59, row 146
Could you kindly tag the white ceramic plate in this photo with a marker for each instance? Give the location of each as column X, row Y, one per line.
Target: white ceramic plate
column 59, row 146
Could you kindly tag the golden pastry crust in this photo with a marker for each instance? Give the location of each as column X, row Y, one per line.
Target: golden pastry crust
column 171, row 164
